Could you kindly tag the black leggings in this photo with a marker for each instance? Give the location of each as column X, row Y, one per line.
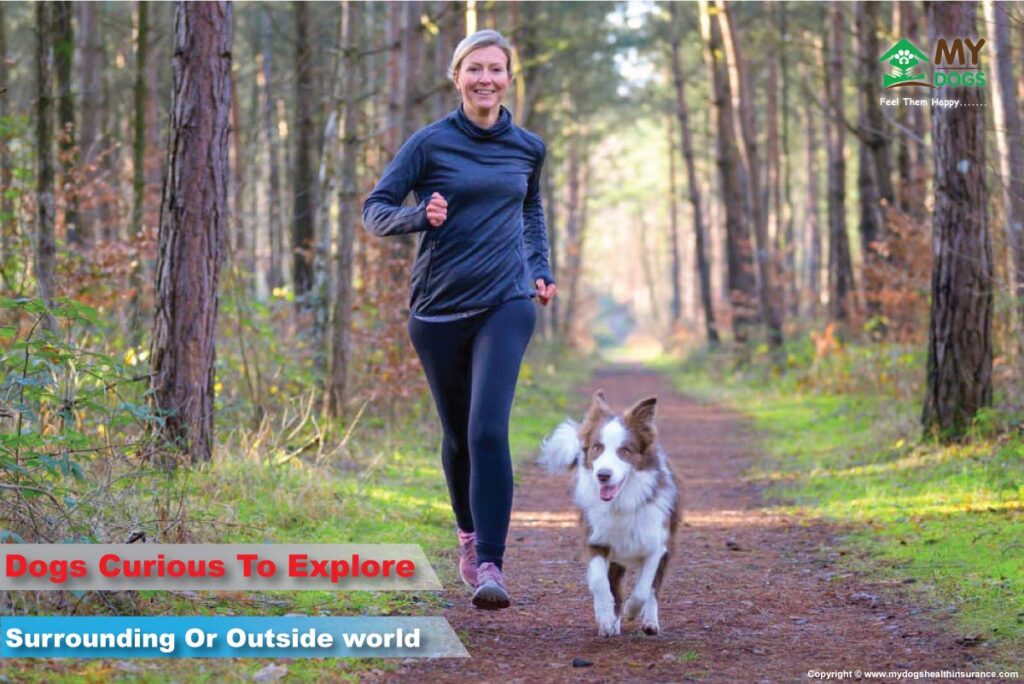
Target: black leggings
column 472, row 365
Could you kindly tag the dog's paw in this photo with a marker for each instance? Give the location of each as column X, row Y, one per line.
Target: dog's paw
column 649, row 628
column 632, row 607
column 609, row 627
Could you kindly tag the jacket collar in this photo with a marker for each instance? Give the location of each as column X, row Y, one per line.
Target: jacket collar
column 464, row 124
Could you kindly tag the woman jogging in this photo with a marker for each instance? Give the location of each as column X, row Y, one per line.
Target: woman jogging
column 483, row 254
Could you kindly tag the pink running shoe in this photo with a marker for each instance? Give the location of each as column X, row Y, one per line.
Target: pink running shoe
column 467, row 558
column 490, row 591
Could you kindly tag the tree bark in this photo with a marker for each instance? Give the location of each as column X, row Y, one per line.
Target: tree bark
column 7, row 221
column 812, row 215
column 139, row 119
column 874, row 174
column 302, row 182
column 46, row 243
column 790, row 276
column 348, row 214
column 275, row 210
column 573, row 227
column 743, row 116
column 549, row 191
column 64, row 54
column 193, row 226
column 675, row 268
column 840, row 267
column 91, row 78
column 912, row 154
column 1010, row 144
column 700, row 250
column 742, row 285
column 960, row 330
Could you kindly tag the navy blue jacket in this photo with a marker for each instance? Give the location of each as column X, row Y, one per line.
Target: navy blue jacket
column 494, row 244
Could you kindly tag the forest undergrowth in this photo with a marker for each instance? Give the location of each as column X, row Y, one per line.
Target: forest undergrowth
column 81, row 463
column 842, row 441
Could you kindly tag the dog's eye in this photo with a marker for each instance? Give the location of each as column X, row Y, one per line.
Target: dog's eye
column 625, row 451
column 596, row 449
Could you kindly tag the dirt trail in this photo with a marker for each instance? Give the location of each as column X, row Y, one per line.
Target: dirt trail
column 750, row 596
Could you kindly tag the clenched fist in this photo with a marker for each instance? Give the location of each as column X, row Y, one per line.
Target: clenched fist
column 437, row 210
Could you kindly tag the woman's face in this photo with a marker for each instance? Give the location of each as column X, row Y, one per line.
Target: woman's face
column 483, row 78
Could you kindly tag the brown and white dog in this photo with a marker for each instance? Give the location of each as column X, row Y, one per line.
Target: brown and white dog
column 629, row 506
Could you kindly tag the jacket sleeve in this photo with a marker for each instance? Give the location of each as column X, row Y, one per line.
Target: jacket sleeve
column 534, row 228
column 383, row 213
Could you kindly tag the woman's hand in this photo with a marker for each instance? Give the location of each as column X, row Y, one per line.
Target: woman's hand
column 437, row 210
column 545, row 293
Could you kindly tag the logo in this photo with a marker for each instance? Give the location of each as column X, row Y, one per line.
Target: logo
column 952, row 66
column 904, row 57
column 956, row 62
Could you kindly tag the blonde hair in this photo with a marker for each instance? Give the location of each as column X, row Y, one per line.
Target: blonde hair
column 475, row 41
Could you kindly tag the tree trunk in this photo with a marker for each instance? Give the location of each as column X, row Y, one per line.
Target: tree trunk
column 743, row 116
column 647, row 268
column 412, row 68
column 46, row 243
column 89, row 139
column 676, row 303
column 772, row 195
column 912, row 154
column 64, row 54
column 573, row 227
column 450, row 22
column 840, row 268
column 874, row 176
column 302, row 182
column 812, row 215
column 238, row 163
column 739, row 260
column 139, row 137
column 551, row 220
column 275, row 210
column 960, row 331
column 193, row 226
column 8, row 226
column 787, row 212
column 318, row 299
column 700, row 250
column 348, row 214
column 1010, row 144
column 139, row 132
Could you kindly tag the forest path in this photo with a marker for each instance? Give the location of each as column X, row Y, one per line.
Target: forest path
column 750, row 596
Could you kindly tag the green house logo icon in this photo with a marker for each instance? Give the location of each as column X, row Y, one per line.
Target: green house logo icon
column 903, row 59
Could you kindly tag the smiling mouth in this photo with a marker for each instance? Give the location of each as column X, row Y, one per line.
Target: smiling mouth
column 607, row 492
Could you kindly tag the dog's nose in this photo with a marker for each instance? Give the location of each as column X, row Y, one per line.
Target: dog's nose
column 604, row 475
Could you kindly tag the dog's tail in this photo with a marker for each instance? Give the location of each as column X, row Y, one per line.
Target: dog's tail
column 562, row 450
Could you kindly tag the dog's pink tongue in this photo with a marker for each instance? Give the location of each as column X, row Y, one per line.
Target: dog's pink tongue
column 607, row 492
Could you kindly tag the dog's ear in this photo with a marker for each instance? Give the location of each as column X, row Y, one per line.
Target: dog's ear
column 639, row 420
column 597, row 414
column 641, row 414
column 599, row 408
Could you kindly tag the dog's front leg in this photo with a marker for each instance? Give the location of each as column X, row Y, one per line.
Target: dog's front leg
column 643, row 600
column 608, row 623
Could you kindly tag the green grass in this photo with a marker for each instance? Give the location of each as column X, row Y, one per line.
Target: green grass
column 948, row 520
column 388, row 489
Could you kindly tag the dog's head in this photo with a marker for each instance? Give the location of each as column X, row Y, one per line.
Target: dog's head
column 616, row 447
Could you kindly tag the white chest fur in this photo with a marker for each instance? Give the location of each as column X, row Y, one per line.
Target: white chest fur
column 634, row 525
